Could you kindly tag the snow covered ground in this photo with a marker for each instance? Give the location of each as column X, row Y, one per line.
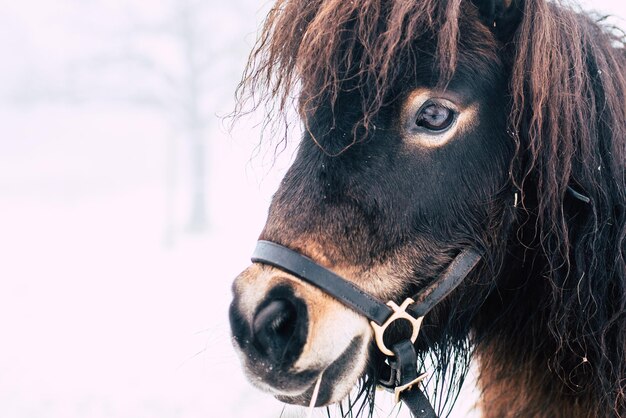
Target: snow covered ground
column 109, row 306
column 99, row 315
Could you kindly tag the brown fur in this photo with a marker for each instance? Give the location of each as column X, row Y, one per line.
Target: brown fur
column 514, row 389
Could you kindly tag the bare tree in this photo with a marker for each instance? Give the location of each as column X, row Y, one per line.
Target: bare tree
column 183, row 65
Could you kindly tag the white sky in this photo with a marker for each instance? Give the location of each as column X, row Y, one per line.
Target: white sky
column 108, row 306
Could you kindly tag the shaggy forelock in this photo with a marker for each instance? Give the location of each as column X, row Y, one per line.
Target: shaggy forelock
column 317, row 50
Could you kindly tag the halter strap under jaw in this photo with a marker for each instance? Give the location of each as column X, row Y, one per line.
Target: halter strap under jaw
column 404, row 378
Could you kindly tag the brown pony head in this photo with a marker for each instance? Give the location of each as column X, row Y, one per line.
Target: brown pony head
column 432, row 126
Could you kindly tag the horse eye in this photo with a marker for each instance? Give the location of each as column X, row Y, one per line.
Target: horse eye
column 435, row 117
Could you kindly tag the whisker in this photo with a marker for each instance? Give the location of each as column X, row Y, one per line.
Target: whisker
column 316, row 392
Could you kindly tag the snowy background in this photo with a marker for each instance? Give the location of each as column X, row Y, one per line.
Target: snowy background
column 126, row 209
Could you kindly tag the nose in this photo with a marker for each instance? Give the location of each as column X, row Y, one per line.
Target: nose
column 276, row 332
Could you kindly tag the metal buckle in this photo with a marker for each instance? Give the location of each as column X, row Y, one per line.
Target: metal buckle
column 398, row 390
column 399, row 312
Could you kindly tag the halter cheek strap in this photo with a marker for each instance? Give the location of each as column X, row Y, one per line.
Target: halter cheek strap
column 402, row 357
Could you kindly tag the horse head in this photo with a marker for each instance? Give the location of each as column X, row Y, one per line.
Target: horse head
column 430, row 128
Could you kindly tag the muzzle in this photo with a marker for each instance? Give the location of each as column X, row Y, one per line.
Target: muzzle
column 403, row 373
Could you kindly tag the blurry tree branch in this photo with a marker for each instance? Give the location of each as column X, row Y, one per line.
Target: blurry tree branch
column 181, row 64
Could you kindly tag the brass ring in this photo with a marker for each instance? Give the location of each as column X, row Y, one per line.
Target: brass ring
column 399, row 312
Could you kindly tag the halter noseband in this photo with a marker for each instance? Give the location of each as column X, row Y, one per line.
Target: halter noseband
column 404, row 376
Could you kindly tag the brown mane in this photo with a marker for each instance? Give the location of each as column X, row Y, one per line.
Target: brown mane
column 307, row 49
column 569, row 120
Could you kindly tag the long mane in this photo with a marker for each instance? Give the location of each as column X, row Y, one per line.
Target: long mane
column 568, row 87
column 567, row 90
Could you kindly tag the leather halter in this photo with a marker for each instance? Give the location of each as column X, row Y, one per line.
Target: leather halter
column 402, row 357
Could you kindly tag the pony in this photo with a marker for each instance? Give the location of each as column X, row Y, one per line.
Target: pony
column 429, row 127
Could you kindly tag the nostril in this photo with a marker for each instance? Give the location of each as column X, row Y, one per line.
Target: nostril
column 273, row 328
column 276, row 318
